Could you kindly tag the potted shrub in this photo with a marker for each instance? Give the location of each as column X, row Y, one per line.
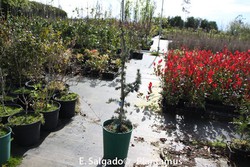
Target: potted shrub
column 134, row 42
column 111, row 70
column 67, row 101
column 96, row 64
column 35, row 84
column 23, row 95
column 239, row 149
column 50, row 113
column 117, row 130
column 26, row 127
column 5, row 143
column 23, row 57
column 57, row 86
column 7, row 110
column 136, row 55
column 42, row 103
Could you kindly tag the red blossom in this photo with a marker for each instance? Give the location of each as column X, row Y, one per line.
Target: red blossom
column 150, row 87
column 201, row 70
column 159, row 61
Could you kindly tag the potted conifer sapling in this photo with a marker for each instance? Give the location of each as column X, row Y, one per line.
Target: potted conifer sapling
column 117, row 130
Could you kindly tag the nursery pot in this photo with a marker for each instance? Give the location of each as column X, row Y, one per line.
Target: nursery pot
column 137, row 55
column 32, row 84
column 5, row 146
column 67, row 109
column 28, row 134
column 51, row 118
column 115, row 145
column 108, row 75
column 238, row 155
column 5, row 118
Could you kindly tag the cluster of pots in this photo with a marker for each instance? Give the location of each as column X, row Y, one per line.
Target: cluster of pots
column 28, row 133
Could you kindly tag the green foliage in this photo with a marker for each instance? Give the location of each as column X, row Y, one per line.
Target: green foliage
column 218, row 144
column 31, row 47
column 241, row 144
column 16, row 3
column 3, row 130
column 13, row 162
column 7, row 110
column 26, row 119
column 96, row 34
column 42, row 100
column 42, row 10
column 243, row 121
column 55, row 86
column 22, row 90
column 42, row 106
column 66, row 96
column 192, row 23
column 175, row 22
column 21, row 54
column 7, row 98
column 239, row 29
column 30, row 8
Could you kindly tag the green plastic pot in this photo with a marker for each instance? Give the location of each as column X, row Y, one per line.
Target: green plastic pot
column 116, row 145
column 5, row 146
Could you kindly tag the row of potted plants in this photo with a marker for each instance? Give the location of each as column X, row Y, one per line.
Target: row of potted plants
column 199, row 82
column 202, row 80
column 95, row 64
column 105, row 66
column 33, row 108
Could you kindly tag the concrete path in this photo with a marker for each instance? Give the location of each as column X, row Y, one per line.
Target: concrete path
column 79, row 141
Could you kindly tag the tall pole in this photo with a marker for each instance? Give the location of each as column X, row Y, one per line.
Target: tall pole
column 123, row 60
column 160, row 30
column 122, row 11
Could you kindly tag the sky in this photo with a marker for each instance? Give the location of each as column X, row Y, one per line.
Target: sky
column 221, row 11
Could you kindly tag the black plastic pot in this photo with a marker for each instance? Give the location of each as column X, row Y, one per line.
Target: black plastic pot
column 95, row 73
column 5, row 118
column 137, row 55
column 220, row 111
column 239, row 156
column 31, row 84
column 108, row 75
column 26, row 135
column 67, row 109
column 168, row 108
column 51, row 118
column 86, row 71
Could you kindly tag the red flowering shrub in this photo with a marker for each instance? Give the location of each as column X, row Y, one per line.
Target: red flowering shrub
column 198, row 74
